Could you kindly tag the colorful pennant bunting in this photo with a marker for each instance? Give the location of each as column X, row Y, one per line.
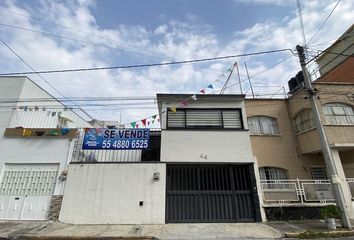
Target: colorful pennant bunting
column 144, row 121
column 184, row 102
column 211, row 86
column 133, row 124
column 27, row 133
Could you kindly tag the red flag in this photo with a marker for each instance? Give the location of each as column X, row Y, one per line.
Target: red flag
column 137, row 125
column 184, row 102
column 202, row 91
column 144, row 121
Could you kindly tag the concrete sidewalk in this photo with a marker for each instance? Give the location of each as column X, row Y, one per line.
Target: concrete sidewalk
column 55, row 230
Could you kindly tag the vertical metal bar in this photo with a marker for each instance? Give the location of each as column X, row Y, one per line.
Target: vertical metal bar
column 249, row 80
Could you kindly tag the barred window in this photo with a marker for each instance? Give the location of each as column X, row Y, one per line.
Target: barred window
column 204, row 118
column 338, row 113
column 304, row 121
column 262, row 125
column 273, row 173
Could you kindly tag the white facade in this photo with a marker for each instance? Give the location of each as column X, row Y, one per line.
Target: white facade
column 204, row 145
column 33, row 157
column 112, row 194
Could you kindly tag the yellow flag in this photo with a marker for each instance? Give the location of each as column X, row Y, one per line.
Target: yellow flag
column 173, row 109
column 27, row 133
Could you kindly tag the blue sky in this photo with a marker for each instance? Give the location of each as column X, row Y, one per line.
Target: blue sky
column 86, row 33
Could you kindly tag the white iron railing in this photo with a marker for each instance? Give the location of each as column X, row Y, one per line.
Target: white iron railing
column 350, row 182
column 299, row 191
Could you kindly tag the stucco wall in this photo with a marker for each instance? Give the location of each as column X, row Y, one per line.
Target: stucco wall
column 205, row 146
column 110, row 194
column 328, row 93
column 276, row 150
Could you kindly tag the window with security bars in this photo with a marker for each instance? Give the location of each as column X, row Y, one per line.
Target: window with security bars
column 262, row 125
column 304, row 121
column 205, row 118
column 28, row 182
column 338, row 113
column 319, row 173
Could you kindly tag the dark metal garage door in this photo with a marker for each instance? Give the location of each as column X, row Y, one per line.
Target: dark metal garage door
column 211, row 193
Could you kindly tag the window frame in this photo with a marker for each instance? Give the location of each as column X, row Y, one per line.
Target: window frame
column 333, row 115
column 273, row 168
column 262, row 132
column 221, row 127
column 310, row 120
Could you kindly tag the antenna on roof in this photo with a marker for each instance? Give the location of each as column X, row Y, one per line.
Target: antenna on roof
column 224, row 87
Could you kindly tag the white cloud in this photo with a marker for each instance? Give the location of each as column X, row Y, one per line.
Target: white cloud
column 134, row 44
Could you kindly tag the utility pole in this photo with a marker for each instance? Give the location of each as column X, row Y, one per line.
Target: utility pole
column 335, row 180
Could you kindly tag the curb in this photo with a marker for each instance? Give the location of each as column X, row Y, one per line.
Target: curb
column 319, row 234
column 24, row 237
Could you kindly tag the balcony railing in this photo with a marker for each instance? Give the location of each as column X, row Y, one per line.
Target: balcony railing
column 296, row 192
column 152, row 154
column 47, row 117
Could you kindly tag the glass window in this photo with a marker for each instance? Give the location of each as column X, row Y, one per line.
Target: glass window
column 205, row 118
column 262, row 125
column 304, row 121
column 273, row 173
column 338, row 113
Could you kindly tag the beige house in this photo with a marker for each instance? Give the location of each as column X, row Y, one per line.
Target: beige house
column 285, row 141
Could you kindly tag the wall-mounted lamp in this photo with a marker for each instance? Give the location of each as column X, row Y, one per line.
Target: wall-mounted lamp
column 156, row 176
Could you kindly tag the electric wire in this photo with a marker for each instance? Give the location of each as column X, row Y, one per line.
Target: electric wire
column 18, row 56
column 324, row 22
column 151, row 64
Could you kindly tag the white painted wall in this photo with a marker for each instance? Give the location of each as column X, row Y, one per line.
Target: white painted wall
column 110, row 194
column 216, row 146
column 203, row 145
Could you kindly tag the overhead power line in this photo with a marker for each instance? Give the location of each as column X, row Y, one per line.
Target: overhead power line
column 18, row 56
column 324, row 22
column 148, row 65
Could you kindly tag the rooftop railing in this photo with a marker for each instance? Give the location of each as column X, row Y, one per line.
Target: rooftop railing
column 46, row 117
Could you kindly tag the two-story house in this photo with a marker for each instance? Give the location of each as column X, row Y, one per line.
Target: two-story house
column 35, row 143
column 205, row 171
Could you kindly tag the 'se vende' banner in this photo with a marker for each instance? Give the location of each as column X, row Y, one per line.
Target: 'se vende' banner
column 116, row 139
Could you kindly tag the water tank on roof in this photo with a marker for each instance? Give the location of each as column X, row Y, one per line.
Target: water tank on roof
column 292, row 83
column 295, row 83
column 299, row 77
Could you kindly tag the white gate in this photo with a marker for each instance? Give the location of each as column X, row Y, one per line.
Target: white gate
column 26, row 191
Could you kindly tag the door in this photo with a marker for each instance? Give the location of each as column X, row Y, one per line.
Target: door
column 26, row 191
column 211, row 193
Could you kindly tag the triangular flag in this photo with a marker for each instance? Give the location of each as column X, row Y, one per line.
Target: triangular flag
column 229, row 70
column 137, row 125
column 133, row 124
column 202, row 91
column 154, row 117
column 148, row 123
column 144, row 121
column 153, row 121
column 210, row 86
column 173, row 109
column 194, row 97
column 184, row 102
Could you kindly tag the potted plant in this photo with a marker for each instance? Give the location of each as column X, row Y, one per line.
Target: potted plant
column 329, row 214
